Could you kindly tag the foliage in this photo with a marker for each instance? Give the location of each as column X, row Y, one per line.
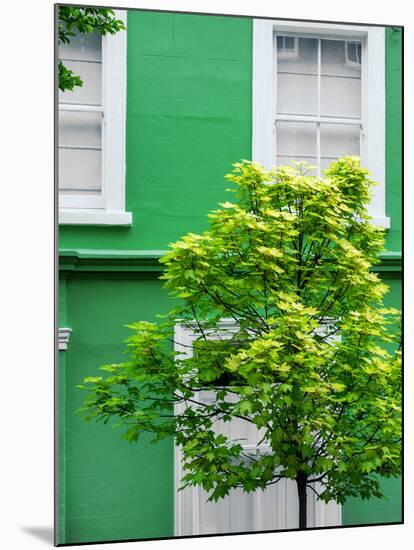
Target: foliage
column 314, row 364
column 82, row 20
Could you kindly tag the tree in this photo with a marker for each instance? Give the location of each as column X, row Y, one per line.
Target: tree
column 82, row 20
column 315, row 362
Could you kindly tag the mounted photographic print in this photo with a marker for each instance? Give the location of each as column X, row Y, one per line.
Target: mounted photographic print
column 229, row 204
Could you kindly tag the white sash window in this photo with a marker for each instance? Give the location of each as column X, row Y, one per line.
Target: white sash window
column 91, row 140
column 319, row 94
column 318, row 102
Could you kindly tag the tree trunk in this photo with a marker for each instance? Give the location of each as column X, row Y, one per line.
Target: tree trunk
column 301, row 485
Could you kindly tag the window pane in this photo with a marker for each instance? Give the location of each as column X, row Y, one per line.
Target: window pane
column 353, row 54
column 289, row 161
column 306, row 59
column 297, row 64
column 340, row 78
column 341, row 58
column 80, row 171
column 326, row 162
column 296, row 138
column 340, row 97
column 91, row 91
column 82, row 46
column 79, row 128
column 80, row 133
column 297, row 94
column 338, row 140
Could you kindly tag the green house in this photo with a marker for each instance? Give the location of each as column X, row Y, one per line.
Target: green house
column 167, row 106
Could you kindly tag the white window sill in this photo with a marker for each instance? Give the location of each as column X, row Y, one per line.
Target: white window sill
column 70, row 216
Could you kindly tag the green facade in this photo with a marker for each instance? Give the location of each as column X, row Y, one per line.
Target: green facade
column 189, row 106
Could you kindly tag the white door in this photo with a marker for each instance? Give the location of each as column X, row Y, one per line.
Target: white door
column 275, row 508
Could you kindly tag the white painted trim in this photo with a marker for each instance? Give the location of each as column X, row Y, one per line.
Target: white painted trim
column 186, row 507
column 83, row 216
column 64, row 336
column 373, row 96
column 264, row 93
column 114, row 106
column 311, row 28
column 374, row 103
column 109, row 207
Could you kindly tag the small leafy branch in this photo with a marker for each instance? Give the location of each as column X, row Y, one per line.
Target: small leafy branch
column 315, row 361
column 82, row 20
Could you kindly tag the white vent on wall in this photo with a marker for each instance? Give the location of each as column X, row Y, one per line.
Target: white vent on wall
column 64, row 335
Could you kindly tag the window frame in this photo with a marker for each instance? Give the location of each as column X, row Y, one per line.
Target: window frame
column 109, row 207
column 372, row 144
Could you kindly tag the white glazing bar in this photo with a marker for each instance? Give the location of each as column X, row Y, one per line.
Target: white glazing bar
column 319, row 77
column 260, row 448
column 318, row 125
column 80, row 108
column 274, row 83
column 318, row 148
column 81, row 147
column 96, row 61
column 302, row 155
column 318, row 119
column 338, row 76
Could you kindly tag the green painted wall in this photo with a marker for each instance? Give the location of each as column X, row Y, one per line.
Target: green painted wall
column 188, row 120
column 393, row 156
column 356, row 511
column 109, row 488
